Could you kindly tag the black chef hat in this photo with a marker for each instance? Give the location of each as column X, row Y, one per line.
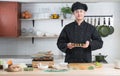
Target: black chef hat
column 78, row 5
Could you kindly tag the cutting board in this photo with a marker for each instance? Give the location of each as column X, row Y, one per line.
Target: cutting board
column 81, row 66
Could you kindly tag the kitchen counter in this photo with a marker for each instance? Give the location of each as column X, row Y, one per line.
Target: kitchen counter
column 106, row 70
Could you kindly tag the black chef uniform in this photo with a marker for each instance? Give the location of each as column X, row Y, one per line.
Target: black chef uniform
column 79, row 34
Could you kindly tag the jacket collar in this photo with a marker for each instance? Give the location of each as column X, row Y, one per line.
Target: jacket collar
column 82, row 24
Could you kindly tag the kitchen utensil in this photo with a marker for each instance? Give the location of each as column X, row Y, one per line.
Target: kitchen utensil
column 63, row 64
column 98, row 26
column 94, row 21
column 104, row 30
column 100, row 58
column 91, row 21
column 42, row 67
column 87, row 20
column 111, row 27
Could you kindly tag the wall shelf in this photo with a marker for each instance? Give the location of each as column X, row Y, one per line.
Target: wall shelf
column 39, row 19
column 68, row 19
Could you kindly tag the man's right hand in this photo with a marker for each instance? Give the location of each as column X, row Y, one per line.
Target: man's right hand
column 70, row 46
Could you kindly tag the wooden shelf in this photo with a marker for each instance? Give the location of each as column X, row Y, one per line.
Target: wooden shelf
column 70, row 18
column 39, row 19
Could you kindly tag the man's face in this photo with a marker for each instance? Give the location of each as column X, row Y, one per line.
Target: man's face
column 79, row 14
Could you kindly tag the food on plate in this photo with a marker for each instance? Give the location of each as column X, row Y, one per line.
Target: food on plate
column 77, row 44
column 98, row 64
column 28, row 69
column 91, row 68
column 46, row 56
column 57, row 67
column 81, row 66
column 14, row 68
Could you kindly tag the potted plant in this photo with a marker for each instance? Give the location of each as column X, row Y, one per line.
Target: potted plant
column 67, row 13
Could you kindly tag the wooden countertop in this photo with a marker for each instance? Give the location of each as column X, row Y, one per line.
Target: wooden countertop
column 107, row 70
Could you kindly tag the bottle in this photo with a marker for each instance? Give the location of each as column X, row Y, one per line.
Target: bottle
column 1, row 64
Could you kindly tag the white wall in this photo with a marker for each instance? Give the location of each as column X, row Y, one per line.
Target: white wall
column 19, row 46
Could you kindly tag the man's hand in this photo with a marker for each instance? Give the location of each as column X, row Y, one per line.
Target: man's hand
column 70, row 45
column 86, row 44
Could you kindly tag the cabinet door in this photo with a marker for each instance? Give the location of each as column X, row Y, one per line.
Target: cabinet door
column 9, row 19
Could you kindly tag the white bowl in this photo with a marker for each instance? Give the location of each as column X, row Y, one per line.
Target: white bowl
column 117, row 64
column 42, row 67
column 63, row 64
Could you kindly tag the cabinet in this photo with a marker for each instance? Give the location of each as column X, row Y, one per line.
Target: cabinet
column 9, row 19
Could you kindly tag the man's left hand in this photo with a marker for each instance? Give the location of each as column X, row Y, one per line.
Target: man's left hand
column 86, row 44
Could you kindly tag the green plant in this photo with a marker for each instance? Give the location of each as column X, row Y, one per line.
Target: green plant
column 66, row 10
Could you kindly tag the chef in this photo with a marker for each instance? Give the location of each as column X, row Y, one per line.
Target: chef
column 81, row 33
